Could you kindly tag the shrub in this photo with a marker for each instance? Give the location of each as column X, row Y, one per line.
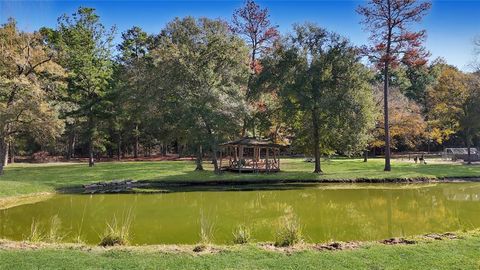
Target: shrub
column 288, row 233
column 241, row 235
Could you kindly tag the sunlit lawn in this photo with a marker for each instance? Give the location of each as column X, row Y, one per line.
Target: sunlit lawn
column 445, row 254
column 30, row 178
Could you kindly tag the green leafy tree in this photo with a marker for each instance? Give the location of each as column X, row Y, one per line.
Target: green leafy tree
column 30, row 79
column 454, row 109
column 85, row 49
column 203, row 64
column 325, row 90
column 133, row 77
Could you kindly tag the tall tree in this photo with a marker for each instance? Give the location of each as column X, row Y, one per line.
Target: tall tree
column 454, row 106
column 469, row 119
column 446, row 99
column 133, row 75
column 325, row 90
column 253, row 24
column 85, row 49
column 388, row 21
column 29, row 81
column 203, row 64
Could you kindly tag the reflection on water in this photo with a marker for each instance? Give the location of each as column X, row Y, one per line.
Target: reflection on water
column 326, row 212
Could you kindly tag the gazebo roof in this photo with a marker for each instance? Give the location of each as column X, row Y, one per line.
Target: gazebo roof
column 247, row 141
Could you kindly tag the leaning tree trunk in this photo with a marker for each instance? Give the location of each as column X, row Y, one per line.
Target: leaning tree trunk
column 316, row 141
column 386, row 120
column 199, row 159
column 5, row 158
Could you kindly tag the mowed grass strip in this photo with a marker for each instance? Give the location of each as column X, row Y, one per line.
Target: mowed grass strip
column 438, row 254
column 21, row 179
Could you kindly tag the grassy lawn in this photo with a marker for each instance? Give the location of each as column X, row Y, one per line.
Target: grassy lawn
column 21, row 179
column 437, row 254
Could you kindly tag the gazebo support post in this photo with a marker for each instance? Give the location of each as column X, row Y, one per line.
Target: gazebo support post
column 266, row 161
column 240, row 158
column 220, row 163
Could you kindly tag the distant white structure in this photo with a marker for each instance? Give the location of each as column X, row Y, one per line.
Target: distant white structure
column 460, row 153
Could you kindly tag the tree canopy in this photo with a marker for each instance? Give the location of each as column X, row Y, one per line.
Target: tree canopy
column 75, row 91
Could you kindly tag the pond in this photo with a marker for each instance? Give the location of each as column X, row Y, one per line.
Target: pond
column 326, row 212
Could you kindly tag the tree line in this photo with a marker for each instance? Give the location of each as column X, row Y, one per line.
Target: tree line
column 71, row 91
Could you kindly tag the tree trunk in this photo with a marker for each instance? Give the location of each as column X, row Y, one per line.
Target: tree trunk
column 119, row 147
column 253, row 128
column 365, row 155
column 12, row 153
column 179, row 149
column 91, row 159
column 316, row 141
column 216, row 169
column 5, row 158
column 199, row 159
column 467, row 142
column 136, row 144
column 386, row 120
column 244, row 127
column 3, row 152
column 71, row 145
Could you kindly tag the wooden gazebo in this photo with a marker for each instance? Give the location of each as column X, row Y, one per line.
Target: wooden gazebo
column 250, row 155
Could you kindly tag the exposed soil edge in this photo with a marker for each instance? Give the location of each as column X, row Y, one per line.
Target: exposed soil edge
column 213, row 249
column 12, row 201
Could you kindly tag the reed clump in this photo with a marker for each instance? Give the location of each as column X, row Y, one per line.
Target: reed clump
column 241, row 235
column 289, row 232
column 54, row 235
column 36, row 235
column 116, row 233
column 206, row 234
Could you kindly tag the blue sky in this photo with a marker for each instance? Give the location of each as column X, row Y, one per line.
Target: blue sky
column 451, row 25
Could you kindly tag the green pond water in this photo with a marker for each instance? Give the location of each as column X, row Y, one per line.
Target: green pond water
column 326, row 212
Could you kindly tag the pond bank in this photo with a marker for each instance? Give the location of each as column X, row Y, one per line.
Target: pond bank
column 426, row 253
column 266, row 246
column 159, row 186
column 13, row 201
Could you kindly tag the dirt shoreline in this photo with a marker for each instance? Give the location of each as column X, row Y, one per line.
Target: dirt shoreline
column 206, row 249
column 12, row 201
